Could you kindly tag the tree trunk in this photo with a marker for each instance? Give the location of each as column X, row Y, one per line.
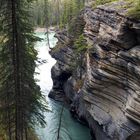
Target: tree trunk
column 16, row 70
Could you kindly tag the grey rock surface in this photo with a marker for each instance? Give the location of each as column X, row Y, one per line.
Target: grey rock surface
column 107, row 95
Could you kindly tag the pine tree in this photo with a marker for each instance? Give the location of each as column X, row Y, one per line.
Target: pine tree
column 60, row 12
column 21, row 102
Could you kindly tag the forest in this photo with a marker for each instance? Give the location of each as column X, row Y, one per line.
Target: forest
column 60, row 12
column 22, row 104
column 54, row 12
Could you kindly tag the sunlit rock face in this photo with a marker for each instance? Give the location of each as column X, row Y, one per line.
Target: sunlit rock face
column 109, row 98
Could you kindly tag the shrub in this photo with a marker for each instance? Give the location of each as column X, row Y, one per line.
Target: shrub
column 80, row 44
column 101, row 2
column 134, row 11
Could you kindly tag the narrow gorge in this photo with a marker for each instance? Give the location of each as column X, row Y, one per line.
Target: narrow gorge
column 101, row 81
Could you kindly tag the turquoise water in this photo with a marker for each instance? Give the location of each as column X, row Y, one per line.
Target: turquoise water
column 70, row 128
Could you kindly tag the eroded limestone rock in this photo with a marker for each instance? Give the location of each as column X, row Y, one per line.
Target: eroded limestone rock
column 109, row 97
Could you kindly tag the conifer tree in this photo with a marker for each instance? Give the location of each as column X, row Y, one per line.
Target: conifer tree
column 21, row 102
column 60, row 12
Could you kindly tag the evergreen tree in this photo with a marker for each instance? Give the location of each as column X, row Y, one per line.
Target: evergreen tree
column 21, row 102
column 60, row 12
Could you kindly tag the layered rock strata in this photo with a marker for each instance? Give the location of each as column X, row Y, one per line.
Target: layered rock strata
column 105, row 88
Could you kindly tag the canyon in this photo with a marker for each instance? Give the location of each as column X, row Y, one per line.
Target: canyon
column 101, row 83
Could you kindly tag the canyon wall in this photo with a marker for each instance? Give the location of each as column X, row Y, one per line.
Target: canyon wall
column 102, row 83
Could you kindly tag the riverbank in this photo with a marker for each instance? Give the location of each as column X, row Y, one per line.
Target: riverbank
column 70, row 128
column 43, row 30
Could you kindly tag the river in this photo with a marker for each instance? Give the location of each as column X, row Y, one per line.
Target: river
column 70, row 128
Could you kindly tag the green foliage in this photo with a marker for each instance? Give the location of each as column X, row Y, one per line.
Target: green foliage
column 21, row 102
column 76, row 26
column 132, row 6
column 80, row 49
column 32, row 135
column 37, row 11
column 57, row 12
column 80, row 44
column 2, row 133
column 101, row 2
column 134, row 10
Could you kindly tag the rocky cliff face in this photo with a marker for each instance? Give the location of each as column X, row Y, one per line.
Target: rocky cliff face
column 104, row 88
